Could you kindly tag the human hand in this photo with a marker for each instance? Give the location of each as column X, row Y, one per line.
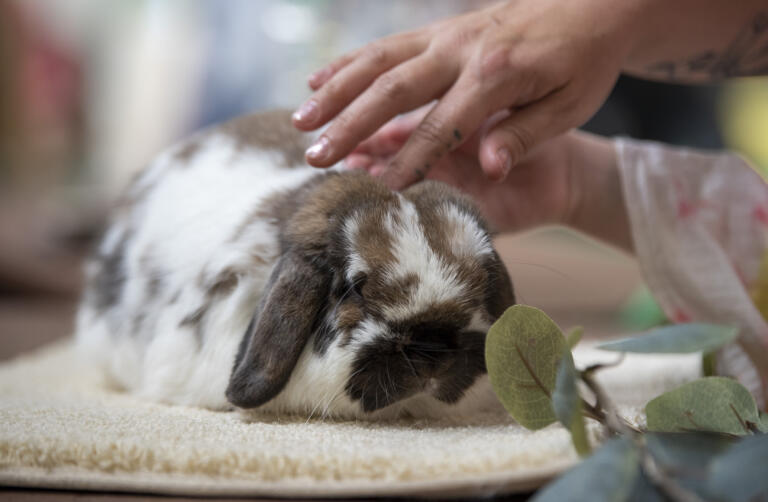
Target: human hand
column 551, row 63
column 571, row 180
column 537, row 191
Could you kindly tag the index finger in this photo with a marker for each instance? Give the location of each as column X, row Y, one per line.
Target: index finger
column 392, row 136
column 457, row 115
column 347, row 83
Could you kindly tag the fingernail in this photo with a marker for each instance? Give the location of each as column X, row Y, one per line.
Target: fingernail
column 320, row 150
column 505, row 161
column 307, row 112
column 377, row 171
column 318, row 77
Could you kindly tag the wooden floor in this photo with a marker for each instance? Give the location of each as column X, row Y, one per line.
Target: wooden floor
column 572, row 279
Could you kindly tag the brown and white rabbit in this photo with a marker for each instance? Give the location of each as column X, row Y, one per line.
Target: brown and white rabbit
column 233, row 273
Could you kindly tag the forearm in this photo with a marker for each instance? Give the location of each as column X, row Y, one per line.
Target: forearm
column 699, row 41
column 598, row 203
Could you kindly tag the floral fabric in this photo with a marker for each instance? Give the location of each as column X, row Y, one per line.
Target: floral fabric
column 700, row 230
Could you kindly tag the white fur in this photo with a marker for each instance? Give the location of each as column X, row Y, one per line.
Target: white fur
column 181, row 230
column 438, row 279
column 183, row 227
column 356, row 264
column 465, row 236
column 317, row 385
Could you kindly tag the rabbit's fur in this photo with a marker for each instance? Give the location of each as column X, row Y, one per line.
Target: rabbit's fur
column 233, row 273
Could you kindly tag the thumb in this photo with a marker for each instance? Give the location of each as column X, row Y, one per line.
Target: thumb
column 507, row 142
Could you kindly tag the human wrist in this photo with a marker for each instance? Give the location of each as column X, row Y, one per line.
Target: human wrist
column 697, row 42
column 629, row 22
column 640, row 24
column 597, row 206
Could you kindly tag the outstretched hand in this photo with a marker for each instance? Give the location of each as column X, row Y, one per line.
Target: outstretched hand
column 539, row 190
column 549, row 64
column 571, row 179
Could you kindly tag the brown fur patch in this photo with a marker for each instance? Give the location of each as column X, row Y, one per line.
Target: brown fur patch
column 269, row 130
column 261, row 255
column 279, row 207
column 499, row 293
column 372, row 242
column 303, row 215
column 429, row 199
column 447, row 313
column 223, row 283
column 338, row 196
column 389, row 293
column 194, row 321
column 194, row 317
column 349, row 316
column 188, row 150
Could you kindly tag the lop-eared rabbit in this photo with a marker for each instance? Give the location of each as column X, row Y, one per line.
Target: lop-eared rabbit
column 232, row 274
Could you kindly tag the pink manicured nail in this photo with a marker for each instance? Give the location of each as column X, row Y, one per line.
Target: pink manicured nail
column 505, row 161
column 308, row 112
column 320, row 150
column 318, row 77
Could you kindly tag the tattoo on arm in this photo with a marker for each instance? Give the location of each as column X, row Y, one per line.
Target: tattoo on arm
column 746, row 55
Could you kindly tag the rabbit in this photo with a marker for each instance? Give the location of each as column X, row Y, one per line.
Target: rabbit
column 233, row 275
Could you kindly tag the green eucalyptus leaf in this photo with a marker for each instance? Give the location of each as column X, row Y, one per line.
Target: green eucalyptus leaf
column 522, row 351
column 566, row 403
column 686, row 456
column 763, row 423
column 610, row 474
column 714, row 404
column 676, row 339
column 574, row 336
column 645, row 491
column 741, row 473
column 689, row 451
column 565, row 398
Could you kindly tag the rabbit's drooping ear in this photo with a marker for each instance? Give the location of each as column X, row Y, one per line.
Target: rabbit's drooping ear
column 278, row 332
column 499, row 294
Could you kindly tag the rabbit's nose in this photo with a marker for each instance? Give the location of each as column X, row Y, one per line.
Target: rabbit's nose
column 432, row 385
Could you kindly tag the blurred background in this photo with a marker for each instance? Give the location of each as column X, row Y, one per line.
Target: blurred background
column 92, row 89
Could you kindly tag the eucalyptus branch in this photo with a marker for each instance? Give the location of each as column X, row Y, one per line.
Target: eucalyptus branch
column 592, row 411
column 599, row 366
column 611, row 419
column 528, row 357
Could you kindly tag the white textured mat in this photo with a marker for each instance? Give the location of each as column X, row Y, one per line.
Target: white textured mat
column 60, row 427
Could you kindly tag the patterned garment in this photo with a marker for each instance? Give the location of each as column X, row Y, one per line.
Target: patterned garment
column 700, row 229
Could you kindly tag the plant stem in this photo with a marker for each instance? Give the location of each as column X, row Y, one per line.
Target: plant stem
column 604, row 406
column 605, row 412
column 598, row 366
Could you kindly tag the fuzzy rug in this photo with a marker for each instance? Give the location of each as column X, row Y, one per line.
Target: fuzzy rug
column 61, row 427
